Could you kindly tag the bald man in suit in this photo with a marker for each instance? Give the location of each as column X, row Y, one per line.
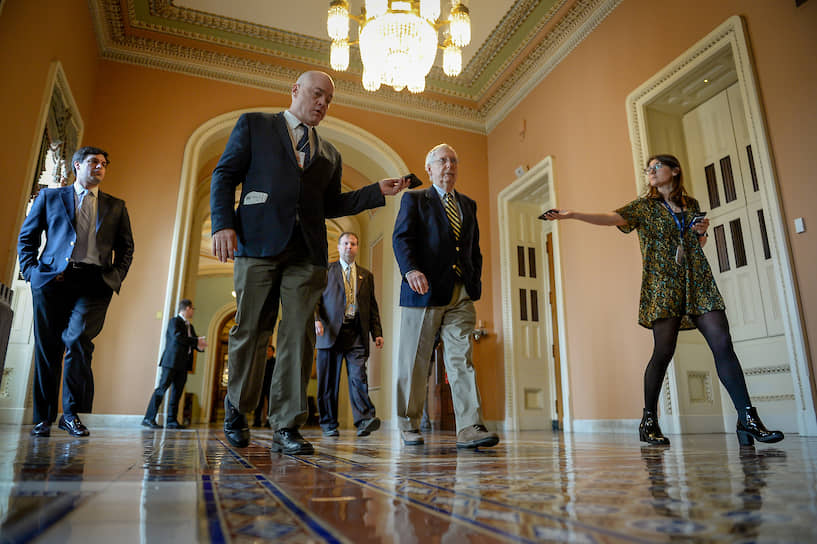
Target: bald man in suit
column 290, row 182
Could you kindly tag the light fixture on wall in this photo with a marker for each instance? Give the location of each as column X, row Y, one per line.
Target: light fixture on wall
column 398, row 40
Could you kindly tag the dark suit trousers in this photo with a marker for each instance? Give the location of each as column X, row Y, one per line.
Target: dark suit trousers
column 69, row 312
column 175, row 378
column 329, row 364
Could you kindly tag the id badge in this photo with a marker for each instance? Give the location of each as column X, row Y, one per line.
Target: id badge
column 679, row 254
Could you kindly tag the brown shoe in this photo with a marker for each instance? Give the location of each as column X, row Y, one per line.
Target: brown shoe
column 476, row 436
column 412, row 437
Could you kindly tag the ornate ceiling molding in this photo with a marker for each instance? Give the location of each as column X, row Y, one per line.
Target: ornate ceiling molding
column 499, row 75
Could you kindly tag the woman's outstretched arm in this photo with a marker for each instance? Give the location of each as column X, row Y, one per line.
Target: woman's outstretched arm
column 607, row 219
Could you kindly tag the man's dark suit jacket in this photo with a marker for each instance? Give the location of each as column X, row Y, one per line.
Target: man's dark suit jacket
column 275, row 189
column 53, row 212
column 332, row 307
column 423, row 241
column 178, row 354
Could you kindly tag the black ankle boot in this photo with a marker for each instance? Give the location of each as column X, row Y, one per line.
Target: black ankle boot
column 750, row 428
column 649, row 431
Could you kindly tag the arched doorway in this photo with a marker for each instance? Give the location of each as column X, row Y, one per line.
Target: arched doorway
column 219, row 369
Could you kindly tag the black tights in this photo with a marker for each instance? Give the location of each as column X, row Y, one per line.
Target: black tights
column 715, row 328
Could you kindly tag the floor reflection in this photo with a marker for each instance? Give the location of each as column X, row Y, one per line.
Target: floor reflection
column 190, row 486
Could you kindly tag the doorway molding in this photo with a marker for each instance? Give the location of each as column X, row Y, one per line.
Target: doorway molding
column 731, row 35
column 213, row 331
column 534, row 186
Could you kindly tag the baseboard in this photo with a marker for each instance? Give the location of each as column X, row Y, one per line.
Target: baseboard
column 14, row 416
column 628, row 426
column 111, row 420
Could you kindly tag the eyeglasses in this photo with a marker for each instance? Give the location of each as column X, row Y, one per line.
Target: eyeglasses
column 93, row 161
column 443, row 160
column 654, row 168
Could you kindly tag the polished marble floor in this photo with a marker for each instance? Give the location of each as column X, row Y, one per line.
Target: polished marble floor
column 134, row 485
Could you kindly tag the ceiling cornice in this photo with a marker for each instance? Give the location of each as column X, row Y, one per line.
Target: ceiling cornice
column 517, row 56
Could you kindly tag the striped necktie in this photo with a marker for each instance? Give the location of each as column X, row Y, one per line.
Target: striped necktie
column 84, row 226
column 453, row 215
column 303, row 144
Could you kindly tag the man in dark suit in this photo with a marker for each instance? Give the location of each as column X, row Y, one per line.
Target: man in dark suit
column 436, row 243
column 87, row 253
column 347, row 315
column 290, row 184
column 176, row 362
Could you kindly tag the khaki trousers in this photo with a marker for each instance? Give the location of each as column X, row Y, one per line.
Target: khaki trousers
column 260, row 284
column 418, row 327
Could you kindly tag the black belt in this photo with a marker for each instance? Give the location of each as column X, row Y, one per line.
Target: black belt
column 73, row 265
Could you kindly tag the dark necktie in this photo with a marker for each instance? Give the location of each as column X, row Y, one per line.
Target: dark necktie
column 303, row 144
column 189, row 333
column 453, row 215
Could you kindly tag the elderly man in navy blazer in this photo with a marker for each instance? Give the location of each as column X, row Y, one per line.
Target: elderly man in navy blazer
column 290, row 181
column 347, row 316
column 177, row 360
column 87, row 253
column 436, row 244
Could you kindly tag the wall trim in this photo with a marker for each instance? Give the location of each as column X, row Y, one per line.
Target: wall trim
column 732, row 34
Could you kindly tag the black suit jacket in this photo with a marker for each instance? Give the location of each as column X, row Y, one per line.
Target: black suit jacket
column 275, row 189
column 332, row 307
column 423, row 241
column 179, row 346
column 53, row 213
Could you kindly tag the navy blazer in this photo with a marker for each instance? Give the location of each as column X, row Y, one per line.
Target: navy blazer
column 275, row 189
column 53, row 213
column 179, row 346
column 423, row 241
column 332, row 307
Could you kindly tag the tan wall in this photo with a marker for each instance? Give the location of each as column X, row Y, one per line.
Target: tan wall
column 30, row 38
column 577, row 116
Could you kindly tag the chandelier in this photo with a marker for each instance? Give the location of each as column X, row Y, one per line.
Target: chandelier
column 398, row 40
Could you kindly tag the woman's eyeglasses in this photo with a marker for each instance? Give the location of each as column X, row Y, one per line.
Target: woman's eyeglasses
column 654, row 168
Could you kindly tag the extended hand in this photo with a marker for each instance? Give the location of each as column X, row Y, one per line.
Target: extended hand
column 378, row 342
column 224, row 243
column 202, row 342
column 554, row 214
column 392, row 186
column 318, row 327
column 417, row 281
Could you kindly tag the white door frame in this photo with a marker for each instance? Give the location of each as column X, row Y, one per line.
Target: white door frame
column 529, row 187
column 732, row 34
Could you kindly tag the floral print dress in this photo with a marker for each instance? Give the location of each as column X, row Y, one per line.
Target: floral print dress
column 669, row 289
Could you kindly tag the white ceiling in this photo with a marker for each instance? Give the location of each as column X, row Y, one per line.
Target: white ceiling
column 309, row 18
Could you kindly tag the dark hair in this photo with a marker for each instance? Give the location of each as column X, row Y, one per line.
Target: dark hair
column 679, row 193
column 184, row 304
column 348, row 233
column 83, row 152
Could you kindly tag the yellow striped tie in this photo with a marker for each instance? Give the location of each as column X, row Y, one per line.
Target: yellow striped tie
column 454, row 220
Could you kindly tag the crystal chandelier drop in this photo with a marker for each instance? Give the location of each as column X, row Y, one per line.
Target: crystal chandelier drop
column 398, row 40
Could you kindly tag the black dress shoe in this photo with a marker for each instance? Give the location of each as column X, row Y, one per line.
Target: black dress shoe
column 236, row 429
column 150, row 424
column 43, row 428
column 650, row 432
column 291, row 442
column 174, row 425
column 73, row 425
column 750, row 428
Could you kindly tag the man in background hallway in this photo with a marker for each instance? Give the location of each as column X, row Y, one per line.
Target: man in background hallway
column 176, row 362
column 347, row 315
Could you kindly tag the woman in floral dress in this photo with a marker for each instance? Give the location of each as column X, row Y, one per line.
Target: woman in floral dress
column 678, row 291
